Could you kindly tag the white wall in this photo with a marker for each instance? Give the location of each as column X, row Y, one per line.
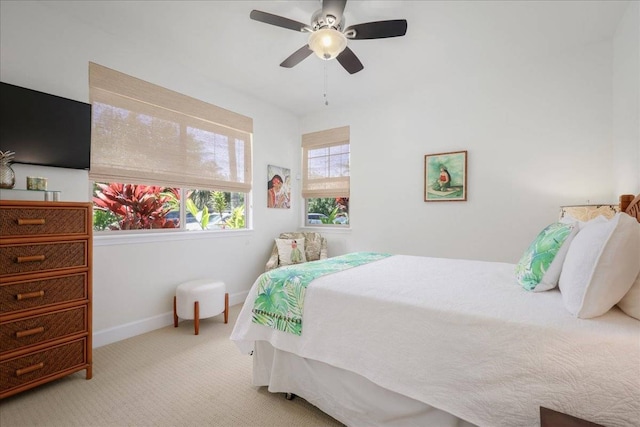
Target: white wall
column 134, row 283
column 626, row 102
column 538, row 135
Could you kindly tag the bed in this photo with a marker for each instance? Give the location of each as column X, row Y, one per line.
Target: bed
column 415, row 341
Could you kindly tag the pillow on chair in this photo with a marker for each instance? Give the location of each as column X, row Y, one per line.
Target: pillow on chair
column 291, row 251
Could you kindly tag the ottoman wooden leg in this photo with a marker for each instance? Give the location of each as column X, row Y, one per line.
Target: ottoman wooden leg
column 226, row 308
column 175, row 312
column 196, row 317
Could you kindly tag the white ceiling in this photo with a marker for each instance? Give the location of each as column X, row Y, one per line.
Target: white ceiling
column 217, row 39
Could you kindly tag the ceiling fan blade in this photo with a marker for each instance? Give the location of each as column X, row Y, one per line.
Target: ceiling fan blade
column 297, row 57
column 350, row 61
column 333, row 7
column 377, row 30
column 279, row 21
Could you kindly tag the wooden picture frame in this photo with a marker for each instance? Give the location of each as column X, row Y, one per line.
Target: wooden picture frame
column 445, row 177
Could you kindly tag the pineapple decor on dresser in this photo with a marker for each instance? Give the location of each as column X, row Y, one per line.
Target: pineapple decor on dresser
column 7, row 175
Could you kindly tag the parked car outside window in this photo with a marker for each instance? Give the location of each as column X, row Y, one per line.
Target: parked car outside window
column 315, row 218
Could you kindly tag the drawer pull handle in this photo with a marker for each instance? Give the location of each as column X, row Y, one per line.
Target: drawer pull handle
column 31, row 258
column 29, row 369
column 37, row 294
column 38, row 330
column 38, row 221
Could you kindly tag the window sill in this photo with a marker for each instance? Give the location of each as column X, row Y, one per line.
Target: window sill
column 326, row 229
column 171, row 236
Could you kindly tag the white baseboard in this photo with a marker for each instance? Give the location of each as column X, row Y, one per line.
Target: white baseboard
column 128, row 330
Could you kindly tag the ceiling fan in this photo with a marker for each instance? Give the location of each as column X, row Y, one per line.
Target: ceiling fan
column 327, row 38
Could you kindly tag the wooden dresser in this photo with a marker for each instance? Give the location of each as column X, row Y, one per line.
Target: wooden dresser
column 45, row 292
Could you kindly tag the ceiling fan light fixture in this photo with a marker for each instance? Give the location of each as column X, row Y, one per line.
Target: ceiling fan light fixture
column 327, row 43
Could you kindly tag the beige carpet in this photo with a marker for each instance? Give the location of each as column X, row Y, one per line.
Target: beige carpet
column 168, row 377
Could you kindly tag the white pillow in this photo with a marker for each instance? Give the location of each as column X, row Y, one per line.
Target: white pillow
column 601, row 265
column 568, row 219
column 630, row 303
column 291, row 251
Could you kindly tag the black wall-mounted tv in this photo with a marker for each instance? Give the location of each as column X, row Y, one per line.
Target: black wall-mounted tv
column 44, row 129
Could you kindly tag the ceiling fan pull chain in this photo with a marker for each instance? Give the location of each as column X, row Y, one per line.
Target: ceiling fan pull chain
column 326, row 84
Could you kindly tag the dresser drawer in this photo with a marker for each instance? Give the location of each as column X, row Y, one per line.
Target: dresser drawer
column 15, row 297
column 31, row 258
column 42, row 221
column 43, row 328
column 40, row 365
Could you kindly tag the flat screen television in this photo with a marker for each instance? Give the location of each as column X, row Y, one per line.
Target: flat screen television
column 44, row 129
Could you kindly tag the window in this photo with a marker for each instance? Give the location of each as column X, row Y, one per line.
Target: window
column 327, row 211
column 214, row 210
column 119, row 207
column 325, row 182
column 180, row 156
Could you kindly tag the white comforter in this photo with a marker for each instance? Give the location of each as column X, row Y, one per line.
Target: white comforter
column 463, row 337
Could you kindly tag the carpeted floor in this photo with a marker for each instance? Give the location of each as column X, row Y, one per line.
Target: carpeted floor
column 168, row 377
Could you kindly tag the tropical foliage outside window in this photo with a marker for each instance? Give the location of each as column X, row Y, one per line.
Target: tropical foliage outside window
column 328, row 211
column 142, row 207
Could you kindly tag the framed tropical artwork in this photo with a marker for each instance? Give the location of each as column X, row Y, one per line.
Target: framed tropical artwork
column 278, row 187
column 445, row 177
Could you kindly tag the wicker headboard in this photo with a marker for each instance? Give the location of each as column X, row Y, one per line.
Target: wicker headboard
column 630, row 204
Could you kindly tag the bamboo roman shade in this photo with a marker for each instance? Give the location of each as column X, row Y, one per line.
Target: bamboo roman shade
column 142, row 133
column 325, row 163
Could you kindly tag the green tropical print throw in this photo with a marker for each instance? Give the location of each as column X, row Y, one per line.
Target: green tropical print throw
column 536, row 260
column 281, row 291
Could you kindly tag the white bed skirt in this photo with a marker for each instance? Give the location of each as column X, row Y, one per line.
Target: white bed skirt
column 346, row 396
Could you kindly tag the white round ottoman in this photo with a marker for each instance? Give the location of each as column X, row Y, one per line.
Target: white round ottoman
column 199, row 299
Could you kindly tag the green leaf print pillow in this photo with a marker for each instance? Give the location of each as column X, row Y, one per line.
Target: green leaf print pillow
column 540, row 266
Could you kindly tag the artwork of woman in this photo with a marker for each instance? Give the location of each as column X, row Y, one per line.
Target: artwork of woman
column 274, row 186
column 445, row 176
column 444, row 180
column 278, row 191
